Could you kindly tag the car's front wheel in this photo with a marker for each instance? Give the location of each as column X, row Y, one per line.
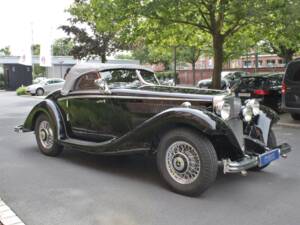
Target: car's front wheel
column 187, row 161
column 46, row 136
column 39, row 92
column 295, row 116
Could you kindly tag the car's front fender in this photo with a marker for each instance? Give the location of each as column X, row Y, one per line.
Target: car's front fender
column 201, row 120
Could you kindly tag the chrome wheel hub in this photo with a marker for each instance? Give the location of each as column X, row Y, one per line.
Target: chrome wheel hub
column 46, row 134
column 183, row 162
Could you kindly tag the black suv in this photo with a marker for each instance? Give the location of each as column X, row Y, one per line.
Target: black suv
column 291, row 89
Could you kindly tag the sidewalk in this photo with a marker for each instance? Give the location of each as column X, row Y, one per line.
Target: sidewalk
column 286, row 120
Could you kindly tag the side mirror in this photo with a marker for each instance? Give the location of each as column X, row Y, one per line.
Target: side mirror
column 103, row 87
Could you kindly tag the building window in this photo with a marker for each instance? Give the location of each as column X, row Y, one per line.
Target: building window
column 247, row 63
column 271, row 62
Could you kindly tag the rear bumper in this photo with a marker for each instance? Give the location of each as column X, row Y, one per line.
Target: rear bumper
column 20, row 129
column 250, row 161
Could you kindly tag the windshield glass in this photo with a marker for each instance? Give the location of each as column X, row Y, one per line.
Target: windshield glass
column 149, row 77
column 43, row 82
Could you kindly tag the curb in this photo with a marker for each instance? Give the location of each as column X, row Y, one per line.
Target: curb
column 7, row 216
column 289, row 125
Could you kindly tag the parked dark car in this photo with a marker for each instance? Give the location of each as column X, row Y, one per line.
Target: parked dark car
column 233, row 77
column 228, row 80
column 291, row 90
column 122, row 109
column 266, row 88
column 207, row 84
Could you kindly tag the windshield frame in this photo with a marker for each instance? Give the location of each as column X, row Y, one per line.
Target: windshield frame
column 138, row 72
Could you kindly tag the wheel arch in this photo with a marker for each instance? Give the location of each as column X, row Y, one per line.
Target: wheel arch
column 203, row 122
column 51, row 110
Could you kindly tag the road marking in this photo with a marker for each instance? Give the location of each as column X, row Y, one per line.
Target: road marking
column 7, row 216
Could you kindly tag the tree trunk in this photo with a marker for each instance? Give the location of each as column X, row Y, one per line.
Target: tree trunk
column 103, row 58
column 194, row 72
column 288, row 57
column 218, row 42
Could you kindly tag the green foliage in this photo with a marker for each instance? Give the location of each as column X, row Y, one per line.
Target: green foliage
column 93, row 29
column 36, row 49
column 1, row 81
column 62, row 47
column 204, row 24
column 21, row 90
column 38, row 70
column 5, row 51
column 283, row 29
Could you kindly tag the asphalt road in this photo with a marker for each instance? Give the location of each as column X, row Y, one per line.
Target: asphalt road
column 78, row 188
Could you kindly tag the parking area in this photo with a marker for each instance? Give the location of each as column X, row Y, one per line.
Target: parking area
column 78, row 188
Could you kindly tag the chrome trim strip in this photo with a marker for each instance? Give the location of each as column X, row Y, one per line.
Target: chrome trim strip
column 131, row 97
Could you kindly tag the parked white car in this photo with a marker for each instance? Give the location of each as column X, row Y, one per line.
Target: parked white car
column 45, row 86
column 38, row 80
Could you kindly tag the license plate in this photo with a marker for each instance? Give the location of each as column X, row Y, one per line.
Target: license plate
column 244, row 94
column 268, row 157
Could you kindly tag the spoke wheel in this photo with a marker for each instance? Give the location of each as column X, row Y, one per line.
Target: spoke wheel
column 187, row 161
column 46, row 136
column 183, row 162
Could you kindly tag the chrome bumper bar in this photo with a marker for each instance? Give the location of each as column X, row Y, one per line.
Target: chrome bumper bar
column 250, row 161
column 20, row 129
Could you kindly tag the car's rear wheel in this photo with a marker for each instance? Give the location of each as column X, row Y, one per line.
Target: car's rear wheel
column 39, row 92
column 295, row 116
column 46, row 136
column 187, row 161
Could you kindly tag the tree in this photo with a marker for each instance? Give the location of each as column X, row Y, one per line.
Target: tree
column 62, row 47
column 283, row 29
column 190, row 55
column 93, row 32
column 5, row 51
column 36, row 49
column 220, row 19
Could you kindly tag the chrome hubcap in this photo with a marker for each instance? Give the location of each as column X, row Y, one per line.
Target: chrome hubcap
column 46, row 134
column 183, row 162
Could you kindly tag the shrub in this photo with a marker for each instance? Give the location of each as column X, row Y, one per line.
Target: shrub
column 21, row 90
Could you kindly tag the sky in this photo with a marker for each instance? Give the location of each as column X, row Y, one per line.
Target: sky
column 26, row 20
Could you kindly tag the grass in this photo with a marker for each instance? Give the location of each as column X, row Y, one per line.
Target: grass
column 21, row 90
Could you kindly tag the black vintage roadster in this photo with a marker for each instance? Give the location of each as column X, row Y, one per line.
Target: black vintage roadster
column 122, row 109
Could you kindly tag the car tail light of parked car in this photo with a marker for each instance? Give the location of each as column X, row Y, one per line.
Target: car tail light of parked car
column 283, row 88
column 261, row 92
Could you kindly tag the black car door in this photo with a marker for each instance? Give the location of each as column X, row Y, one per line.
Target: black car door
column 88, row 111
column 292, row 85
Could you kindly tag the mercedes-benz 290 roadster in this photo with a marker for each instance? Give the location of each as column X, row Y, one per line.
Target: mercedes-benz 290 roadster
column 122, row 109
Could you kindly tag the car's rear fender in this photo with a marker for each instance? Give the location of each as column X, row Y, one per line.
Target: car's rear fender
column 49, row 108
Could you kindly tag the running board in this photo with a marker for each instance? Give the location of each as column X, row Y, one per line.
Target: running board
column 82, row 143
column 103, row 148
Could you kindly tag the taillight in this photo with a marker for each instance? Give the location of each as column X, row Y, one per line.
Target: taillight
column 261, row 92
column 283, row 88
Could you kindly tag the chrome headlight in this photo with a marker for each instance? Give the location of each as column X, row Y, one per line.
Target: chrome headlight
column 222, row 108
column 251, row 109
column 254, row 105
column 247, row 113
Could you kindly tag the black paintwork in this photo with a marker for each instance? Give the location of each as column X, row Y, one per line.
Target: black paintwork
column 134, row 119
column 291, row 98
column 268, row 84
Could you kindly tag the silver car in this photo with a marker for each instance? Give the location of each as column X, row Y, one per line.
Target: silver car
column 45, row 86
